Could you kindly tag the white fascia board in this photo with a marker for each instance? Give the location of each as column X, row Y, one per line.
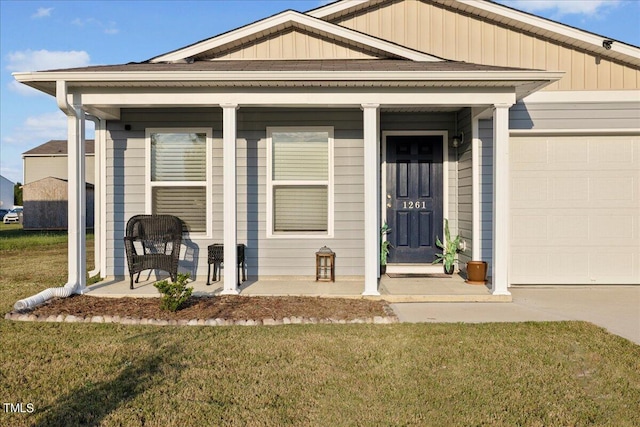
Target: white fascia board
column 292, row 17
column 272, row 76
column 338, row 97
column 334, row 8
column 554, row 27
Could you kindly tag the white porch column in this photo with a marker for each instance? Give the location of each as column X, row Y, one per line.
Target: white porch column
column 500, row 275
column 229, row 197
column 476, row 223
column 371, row 124
column 98, row 196
column 77, row 206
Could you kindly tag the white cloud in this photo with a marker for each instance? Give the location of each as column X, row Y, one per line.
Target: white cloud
column 563, row 7
column 38, row 60
column 109, row 28
column 39, row 129
column 42, row 12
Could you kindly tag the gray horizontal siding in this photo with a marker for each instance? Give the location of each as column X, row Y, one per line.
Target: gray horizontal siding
column 575, row 116
column 125, row 198
column 464, row 187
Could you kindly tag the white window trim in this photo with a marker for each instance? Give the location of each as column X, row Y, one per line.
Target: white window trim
column 271, row 183
column 208, row 171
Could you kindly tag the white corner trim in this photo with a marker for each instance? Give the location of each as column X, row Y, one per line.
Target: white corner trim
column 562, row 96
column 293, row 18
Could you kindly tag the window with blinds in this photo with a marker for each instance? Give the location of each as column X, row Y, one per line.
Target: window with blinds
column 300, row 180
column 178, row 177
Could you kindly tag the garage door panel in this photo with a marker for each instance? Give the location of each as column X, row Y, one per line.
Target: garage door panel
column 575, row 210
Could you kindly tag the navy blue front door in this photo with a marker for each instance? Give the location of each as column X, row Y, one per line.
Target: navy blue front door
column 414, row 197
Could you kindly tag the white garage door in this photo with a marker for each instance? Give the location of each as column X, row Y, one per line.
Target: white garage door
column 575, row 210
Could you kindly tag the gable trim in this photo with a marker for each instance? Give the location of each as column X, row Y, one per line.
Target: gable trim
column 292, row 18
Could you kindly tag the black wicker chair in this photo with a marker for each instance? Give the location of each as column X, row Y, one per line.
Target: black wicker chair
column 153, row 242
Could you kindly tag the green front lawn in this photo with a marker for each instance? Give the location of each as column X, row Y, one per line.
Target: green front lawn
column 529, row 374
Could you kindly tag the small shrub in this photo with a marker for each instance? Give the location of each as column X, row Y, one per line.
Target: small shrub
column 175, row 293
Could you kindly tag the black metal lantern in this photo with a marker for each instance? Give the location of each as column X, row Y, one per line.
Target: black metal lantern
column 325, row 265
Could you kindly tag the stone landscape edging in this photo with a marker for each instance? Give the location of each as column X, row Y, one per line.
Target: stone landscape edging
column 293, row 320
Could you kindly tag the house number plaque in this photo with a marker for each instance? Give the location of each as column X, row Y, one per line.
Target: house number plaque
column 414, row 205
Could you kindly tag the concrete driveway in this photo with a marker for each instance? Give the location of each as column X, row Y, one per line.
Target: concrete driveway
column 615, row 308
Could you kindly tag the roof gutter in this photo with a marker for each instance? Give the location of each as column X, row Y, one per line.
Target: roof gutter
column 62, row 78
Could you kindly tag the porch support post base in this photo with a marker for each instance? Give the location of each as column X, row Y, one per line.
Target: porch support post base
column 500, row 273
column 371, row 125
column 229, row 198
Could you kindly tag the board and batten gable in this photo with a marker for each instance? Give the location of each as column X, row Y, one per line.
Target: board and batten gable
column 265, row 257
column 294, row 44
column 442, row 31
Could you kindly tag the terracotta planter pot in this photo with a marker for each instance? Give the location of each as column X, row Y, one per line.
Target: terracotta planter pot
column 476, row 273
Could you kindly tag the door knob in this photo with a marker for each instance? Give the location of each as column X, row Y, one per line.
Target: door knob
column 389, row 196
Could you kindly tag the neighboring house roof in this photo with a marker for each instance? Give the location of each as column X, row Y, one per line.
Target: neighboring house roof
column 57, row 147
column 5, row 180
column 499, row 13
column 54, row 179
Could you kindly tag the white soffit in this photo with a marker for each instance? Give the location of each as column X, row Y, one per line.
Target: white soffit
column 288, row 19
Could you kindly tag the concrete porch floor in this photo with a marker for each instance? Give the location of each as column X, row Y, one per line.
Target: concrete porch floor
column 395, row 290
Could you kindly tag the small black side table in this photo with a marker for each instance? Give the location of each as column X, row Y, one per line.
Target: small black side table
column 216, row 257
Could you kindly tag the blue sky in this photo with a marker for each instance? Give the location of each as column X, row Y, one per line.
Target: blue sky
column 37, row 35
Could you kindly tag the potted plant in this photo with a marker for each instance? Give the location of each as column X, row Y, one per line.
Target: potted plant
column 450, row 248
column 384, row 247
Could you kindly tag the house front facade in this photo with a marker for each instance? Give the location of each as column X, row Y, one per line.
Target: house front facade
column 313, row 129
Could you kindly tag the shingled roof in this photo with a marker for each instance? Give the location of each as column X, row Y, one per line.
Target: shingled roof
column 357, row 65
column 57, row 147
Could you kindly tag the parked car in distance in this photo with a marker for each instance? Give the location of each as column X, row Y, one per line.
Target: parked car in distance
column 13, row 215
column 3, row 212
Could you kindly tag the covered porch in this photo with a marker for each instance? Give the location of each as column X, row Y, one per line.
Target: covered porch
column 393, row 290
column 387, row 88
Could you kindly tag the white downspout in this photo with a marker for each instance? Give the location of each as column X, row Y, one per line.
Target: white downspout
column 77, row 204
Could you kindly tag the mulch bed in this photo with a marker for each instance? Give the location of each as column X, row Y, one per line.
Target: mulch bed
column 224, row 307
